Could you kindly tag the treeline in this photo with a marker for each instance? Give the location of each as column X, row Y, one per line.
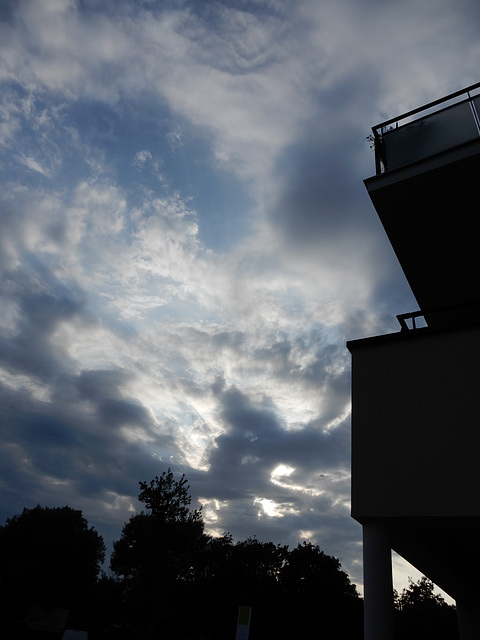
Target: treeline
column 170, row 580
column 179, row 582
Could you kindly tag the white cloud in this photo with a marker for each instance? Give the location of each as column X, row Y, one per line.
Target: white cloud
column 142, row 157
column 34, row 165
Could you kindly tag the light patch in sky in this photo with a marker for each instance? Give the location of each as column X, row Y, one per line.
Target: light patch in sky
column 34, row 165
column 116, row 502
column 269, row 508
column 403, row 570
column 24, row 384
column 211, row 512
column 306, row 535
column 338, row 420
column 281, row 471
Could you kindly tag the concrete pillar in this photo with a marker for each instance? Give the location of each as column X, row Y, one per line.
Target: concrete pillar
column 377, row 582
column 467, row 619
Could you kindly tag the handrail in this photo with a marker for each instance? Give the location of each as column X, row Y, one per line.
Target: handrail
column 425, row 107
column 403, row 317
column 449, row 315
column 384, row 161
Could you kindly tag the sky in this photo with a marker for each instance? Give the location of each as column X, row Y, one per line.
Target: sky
column 186, row 246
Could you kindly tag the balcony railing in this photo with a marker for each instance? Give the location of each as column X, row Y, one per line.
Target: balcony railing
column 427, row 131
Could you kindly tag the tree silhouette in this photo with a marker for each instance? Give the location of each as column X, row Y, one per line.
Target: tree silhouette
column 179, row 582
column 159, row 553
column 420, row 613
column 49, row 557
column 255, row 568
column 317, row 590
column 168, row 499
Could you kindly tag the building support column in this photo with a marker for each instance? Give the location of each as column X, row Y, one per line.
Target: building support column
column 467, row 619
column 378, row 583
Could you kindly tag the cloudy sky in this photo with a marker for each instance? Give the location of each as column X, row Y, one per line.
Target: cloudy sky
column 186, row 244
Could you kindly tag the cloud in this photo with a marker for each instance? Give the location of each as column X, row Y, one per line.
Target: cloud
column 186, row 244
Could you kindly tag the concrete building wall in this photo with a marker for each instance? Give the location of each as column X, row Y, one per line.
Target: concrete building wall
column 416, row 425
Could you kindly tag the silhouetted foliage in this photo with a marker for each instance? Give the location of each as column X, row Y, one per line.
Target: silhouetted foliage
column 174, row 581
column 168, row 499
column 159, row 553
column 255, row 570
column 284, row 588
column 49, row 557
column 318, row 592
column 180, row 582
column 420, row 613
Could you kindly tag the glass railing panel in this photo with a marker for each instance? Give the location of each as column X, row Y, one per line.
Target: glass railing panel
column 476, row 107
column 430, row 135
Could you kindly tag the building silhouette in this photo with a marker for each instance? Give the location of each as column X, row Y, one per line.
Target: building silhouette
column 415, row 431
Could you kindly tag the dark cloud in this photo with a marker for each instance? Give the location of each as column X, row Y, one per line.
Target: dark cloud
column 101, row 383
column 114, row 412
column 316, row 204
column 57, row 452
column 28, row 350
column 256, row 433
column 256, row 442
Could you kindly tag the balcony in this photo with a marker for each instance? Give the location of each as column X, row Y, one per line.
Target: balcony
column 426, row 183
column 428, row 131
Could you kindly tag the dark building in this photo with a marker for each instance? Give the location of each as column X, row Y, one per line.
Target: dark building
column 415, row 425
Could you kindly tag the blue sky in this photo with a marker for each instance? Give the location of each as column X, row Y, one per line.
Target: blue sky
column 186, row 245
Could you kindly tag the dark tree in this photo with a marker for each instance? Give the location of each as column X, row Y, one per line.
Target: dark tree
column 49, row 557
column 160, row 553
column 159, row 547
column 260, row 562
column 309, row 570
column 183, row 583
column 295, row 593
column 320, row 595
column 169, row 499
column 420, row 613
column 256, row 569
